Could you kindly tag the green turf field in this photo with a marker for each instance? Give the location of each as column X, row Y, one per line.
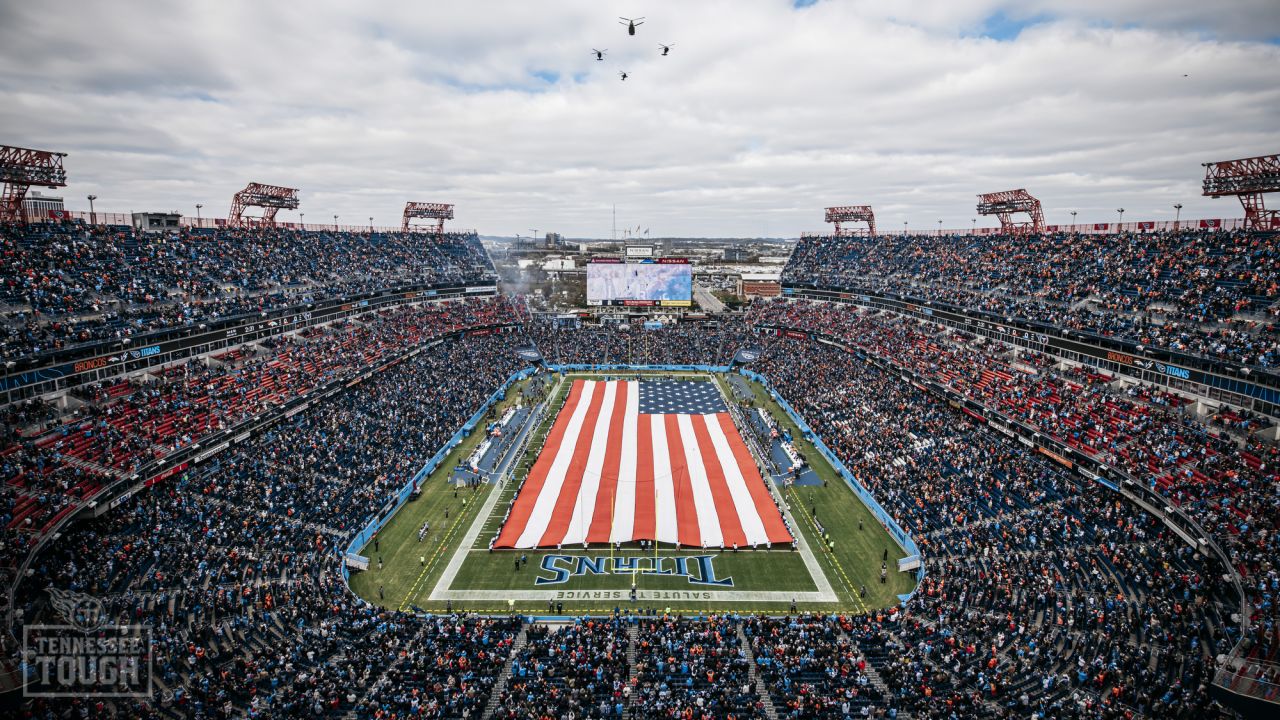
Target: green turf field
column 411, row 571
column 749, row 570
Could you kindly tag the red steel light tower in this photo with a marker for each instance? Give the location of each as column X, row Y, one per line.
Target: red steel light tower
column 1005, row 203
column 1248, row 179
column 21, row 168
column 268, row 197
column 852, row 213
column 427, row 211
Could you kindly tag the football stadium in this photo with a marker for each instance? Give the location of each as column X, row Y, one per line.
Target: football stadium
column 762, row 455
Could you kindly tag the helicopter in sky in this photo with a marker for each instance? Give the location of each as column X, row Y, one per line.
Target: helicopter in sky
column 666, row 48
column 631, row 23
column 599, row 53
column 623, row 75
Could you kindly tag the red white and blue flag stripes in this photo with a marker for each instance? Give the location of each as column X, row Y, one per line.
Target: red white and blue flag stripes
column 628, row 461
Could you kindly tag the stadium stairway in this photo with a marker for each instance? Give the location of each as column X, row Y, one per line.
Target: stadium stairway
column 633, row 632
column 376, row 686
column 766, row 699
column 500, row 687
column 874, row 676
column 1083, row 302
column 993, row 708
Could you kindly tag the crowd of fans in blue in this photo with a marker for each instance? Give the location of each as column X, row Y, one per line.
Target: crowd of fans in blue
column 65, row 285
column 1045, row 594
column 1212, row 293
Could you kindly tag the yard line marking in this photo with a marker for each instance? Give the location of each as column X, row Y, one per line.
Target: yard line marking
column 831, row 555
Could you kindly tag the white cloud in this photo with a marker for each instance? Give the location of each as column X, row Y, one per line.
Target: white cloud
column 762, row 115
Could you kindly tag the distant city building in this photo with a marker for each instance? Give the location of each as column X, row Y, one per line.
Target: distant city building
column 736, row 254
column 773, row 259
column 766, row 285
column 156, row 221
column 558, row 264
column 554, row 240
column 37, row 207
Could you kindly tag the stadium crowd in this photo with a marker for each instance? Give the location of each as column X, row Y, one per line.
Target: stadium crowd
column 1218, row 469
column 580, row 669
column 69, row 284
column 1045, row 595
column 52, row 464
column 250, row 610
column 813, row 667
column 694, row 669
column 677, row 344
column 1212, row 293
column 47, row 459
column 984, row 506
column 1042, row 593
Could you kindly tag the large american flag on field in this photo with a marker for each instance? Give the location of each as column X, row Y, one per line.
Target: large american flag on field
column 658, row 460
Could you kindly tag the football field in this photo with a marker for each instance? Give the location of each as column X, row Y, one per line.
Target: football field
column 454, row 567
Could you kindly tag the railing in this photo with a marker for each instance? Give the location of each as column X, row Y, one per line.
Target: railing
column 903, row 538
column 1142, row 494
column 1149, row 364
column 384, row 515
column 182, row 459
column 211, row 223
column 208, row 223
column 1248, row 677
column 1103, row 228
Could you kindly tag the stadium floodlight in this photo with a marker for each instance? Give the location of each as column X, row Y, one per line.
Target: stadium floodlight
column 1005, row 203
column 1247, row 179
column 20, row 168
column 271, row 198
column 427, row 211
column 852, row 213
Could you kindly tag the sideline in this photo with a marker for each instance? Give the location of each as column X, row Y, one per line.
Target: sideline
column 517, row 449
column 853, row 593
column 816, row 572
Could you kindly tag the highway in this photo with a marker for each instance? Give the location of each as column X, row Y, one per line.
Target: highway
column 708, row 302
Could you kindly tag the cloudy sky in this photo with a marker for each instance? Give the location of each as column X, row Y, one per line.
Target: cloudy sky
column 764, row 112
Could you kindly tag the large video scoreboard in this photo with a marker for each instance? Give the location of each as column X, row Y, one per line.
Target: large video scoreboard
column 660, row 282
